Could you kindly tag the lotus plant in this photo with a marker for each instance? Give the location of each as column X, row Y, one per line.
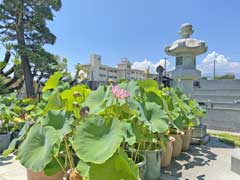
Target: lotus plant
column 90, row 134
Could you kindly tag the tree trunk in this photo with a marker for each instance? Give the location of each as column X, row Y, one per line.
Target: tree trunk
column 28, row 78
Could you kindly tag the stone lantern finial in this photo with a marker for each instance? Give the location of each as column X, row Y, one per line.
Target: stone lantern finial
column 186, row 30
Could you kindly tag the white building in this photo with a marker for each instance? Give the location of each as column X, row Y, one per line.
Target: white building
column 103, row 73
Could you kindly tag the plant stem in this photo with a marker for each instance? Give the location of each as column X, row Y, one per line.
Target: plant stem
column 68, row 154
column 135, row 160
column 60, row 165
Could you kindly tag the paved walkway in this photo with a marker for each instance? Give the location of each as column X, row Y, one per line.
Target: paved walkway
column 207, row 162
column 11, row 169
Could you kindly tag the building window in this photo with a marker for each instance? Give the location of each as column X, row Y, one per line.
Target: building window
column 102, row 75
column 101, row 68
column 179, row 60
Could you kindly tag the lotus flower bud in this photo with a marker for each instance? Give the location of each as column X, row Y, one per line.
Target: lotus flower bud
column 82, row 75
column 84, row 111
column 77, row 94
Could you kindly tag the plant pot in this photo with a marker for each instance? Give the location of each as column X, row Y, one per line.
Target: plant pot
column 186, row 139
column 153, row 164
column 5, row 139
column 166, row 156
column 177, row 145
column 41, row 176
column 141, row 163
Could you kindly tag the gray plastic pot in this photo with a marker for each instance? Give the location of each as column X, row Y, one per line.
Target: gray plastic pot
column 141, row 162
column 4, row 141
column 142, row 167
column 153, row 164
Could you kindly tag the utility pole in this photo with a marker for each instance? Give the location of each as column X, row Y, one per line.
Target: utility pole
column 165, row 66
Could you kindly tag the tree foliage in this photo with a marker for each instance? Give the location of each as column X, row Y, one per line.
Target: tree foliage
column 10, row 73
column 23, row 24
column 226, row 76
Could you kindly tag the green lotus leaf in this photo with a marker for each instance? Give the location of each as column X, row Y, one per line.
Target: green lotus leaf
column 60, row 120
column 97, row 139
column 149, row 84
column 83, row 168
column 157, row 117
column 53, row 81
column 142, row 133
column 37, row 149
column 129, row 136
column 96, row 100
column 118, row 167
column 54, row 167
column 54, row 102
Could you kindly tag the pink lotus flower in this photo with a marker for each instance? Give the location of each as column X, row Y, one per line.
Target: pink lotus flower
column 119, row 93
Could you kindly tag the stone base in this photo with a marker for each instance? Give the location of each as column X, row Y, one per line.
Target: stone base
column 168, row 177
column 235, row 162
column 199, row 135
column 200, row 141
column 199, row 131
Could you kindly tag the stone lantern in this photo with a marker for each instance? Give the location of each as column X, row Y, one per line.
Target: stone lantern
column 185, row 50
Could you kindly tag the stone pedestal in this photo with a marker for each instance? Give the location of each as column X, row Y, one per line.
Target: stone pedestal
column 235, row 162
column 199, row 135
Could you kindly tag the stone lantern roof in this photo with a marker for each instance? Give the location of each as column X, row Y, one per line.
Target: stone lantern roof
column 186, row 45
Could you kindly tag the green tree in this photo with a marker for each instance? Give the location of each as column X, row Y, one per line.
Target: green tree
column 10, row 73
column 23, row 24
column 226, row 76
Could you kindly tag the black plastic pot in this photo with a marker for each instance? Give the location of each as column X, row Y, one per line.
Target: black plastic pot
column 5, row 139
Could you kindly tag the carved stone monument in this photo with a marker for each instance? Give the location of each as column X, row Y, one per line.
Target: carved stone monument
column 185, row 74
column 185, row 50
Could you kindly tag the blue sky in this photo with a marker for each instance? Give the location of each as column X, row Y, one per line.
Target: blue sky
column 140, row 29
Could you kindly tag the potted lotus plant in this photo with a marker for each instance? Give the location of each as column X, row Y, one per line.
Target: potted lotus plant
column 48, row 131
column 191, row 112
column 12, row 115
column 150, row 126
column 77, row 144
column 101, row 139
column 184, row 114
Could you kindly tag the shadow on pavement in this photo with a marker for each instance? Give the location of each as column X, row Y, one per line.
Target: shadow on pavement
column 5, row 161
column 196, row 156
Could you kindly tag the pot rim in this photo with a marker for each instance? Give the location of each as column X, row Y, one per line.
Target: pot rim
column 5, row 133
column 154, row 150
column 141, row 163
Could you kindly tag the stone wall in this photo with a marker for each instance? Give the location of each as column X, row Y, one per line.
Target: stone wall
column 220, row 96
column 217, row 90
column 225, row 119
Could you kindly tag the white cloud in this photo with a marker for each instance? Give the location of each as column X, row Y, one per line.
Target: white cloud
column 143, row 65
column 223, row 64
